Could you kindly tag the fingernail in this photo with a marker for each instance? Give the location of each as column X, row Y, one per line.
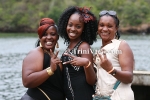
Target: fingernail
column 64, row 63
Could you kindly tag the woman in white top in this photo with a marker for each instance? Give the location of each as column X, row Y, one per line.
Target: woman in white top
column 115, row 60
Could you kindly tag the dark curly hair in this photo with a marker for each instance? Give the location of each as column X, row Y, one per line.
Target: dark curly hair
column 89, row 33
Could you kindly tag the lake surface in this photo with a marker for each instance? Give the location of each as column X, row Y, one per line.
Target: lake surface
column 13, row 51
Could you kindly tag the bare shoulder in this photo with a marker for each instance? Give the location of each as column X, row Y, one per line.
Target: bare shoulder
column 34, row 54
column 124, row 45
column 33, row 60
column 84, row 45
column 85, row 50
column 125, row 48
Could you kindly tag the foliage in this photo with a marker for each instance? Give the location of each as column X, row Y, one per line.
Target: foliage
column 24, row 15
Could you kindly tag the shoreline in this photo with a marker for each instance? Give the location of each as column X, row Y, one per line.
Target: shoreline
column 140, row 29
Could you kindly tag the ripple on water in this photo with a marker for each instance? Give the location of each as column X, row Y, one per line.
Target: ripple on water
column 10, row 76
column 12, row 55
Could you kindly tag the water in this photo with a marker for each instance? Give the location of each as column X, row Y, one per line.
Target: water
column 13, row 51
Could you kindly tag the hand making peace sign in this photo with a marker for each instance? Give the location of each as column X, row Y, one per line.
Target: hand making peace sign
column 76, row 61
column 105, row 63
column 54, row 60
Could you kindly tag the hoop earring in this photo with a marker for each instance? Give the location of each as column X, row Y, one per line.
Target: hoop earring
column 40, row 45
column 57, row 45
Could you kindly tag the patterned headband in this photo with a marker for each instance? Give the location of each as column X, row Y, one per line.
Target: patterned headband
column 84, row 13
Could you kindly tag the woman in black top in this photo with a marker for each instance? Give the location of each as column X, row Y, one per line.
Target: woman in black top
column 41, row 68
column 78, row 27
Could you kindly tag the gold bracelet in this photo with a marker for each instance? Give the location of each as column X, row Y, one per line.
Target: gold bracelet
column 111, row 70
column 49, row 71
column 88, row 64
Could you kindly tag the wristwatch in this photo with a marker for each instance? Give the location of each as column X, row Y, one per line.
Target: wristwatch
column 114, row 72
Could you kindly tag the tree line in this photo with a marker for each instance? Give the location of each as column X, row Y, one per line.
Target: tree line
column 24, row 15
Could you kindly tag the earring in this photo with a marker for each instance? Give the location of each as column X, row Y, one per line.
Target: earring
column 116, row 36
column 97, row 32
column 57, row 45
column 40, row 45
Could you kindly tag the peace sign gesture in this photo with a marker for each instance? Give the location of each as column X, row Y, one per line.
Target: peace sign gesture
column 76, row 61
column 105, row 63
column 54, row 60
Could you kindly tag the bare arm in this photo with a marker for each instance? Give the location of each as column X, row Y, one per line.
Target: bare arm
column 85, row 60
column 89, row 72
column 126, row 60
column 33, row 74
column 32, row 69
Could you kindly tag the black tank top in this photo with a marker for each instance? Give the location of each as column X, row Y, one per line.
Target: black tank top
column 75, row 85
column 53, row 86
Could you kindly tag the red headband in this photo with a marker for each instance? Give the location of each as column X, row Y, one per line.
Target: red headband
column 45, row 23
column 84, row 13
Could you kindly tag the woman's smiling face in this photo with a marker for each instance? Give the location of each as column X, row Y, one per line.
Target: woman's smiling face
column 50, row 38
column 107, row 28
column 75, row 27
